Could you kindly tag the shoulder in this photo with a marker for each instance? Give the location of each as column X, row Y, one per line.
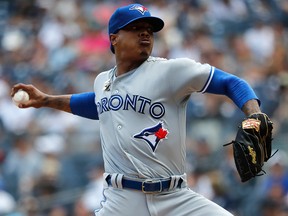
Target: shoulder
column 156, row 59
column 164, row 62
column 104, row 74
column 103, row 78
column 176, row 61
column 180, row 63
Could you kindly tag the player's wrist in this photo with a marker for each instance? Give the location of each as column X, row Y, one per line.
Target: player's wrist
column 59, row 102
column 251, row 107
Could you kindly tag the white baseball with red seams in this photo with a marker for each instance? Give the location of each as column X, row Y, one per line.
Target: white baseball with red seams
column 20, row 97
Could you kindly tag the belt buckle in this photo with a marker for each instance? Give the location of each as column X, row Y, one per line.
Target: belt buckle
column 151, row 182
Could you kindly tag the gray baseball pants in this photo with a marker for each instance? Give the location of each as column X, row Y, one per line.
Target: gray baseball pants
column 175, row 202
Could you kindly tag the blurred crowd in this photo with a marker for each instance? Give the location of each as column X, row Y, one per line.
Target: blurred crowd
column 51, row 162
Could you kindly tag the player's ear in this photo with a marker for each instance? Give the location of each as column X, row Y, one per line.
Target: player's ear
column 113, row 39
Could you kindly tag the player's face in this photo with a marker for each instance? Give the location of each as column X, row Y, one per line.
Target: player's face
column 135, row 41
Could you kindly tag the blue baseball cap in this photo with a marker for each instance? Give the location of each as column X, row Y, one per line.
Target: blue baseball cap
column 130, row 13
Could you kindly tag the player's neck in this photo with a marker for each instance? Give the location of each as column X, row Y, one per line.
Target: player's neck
column 124, row 68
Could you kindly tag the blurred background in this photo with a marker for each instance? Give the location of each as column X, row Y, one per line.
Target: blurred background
column 51, row 162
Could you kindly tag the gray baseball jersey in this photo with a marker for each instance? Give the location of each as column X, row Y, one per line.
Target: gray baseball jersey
column 143, row 116
column 143, row 128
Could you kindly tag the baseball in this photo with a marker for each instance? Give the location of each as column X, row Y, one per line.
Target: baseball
column 20, row 97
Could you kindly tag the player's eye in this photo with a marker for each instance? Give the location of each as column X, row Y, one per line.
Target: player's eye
column 131, row 28
column 149, row 29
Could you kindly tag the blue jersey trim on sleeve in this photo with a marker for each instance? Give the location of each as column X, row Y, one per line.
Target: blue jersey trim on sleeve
column 238, row 90
column 208, row 80
column 83, row 105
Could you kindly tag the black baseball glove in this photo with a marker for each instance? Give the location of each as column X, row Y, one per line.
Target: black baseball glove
column 252, row 145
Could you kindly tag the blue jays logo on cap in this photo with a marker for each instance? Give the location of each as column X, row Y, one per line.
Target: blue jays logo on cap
column 153, row 135
column 139, row 8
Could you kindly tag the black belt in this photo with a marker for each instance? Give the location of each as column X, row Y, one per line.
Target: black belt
column 146, row 186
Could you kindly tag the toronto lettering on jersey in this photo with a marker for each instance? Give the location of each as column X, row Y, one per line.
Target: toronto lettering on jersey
column 136, row 103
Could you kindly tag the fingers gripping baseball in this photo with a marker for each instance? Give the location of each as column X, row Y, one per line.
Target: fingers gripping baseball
column 25, row 96
column 20, row 97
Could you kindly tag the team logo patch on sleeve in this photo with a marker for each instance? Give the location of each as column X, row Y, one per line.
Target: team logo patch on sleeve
column 153, row 135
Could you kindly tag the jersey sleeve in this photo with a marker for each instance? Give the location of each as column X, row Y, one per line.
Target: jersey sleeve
column 238, row 90
column 188, row 76
column 83, row 105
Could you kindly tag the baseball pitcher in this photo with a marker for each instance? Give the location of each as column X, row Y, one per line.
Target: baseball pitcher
column 141, row 108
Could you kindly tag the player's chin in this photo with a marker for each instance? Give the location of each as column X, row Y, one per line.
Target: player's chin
column 145, row 51
column 144, row 55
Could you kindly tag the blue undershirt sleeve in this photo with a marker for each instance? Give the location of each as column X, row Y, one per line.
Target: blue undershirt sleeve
column 238, row 90
column 83, row 105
